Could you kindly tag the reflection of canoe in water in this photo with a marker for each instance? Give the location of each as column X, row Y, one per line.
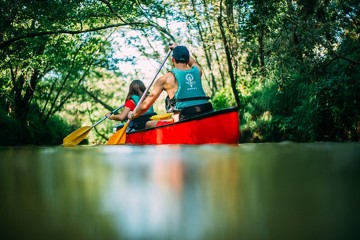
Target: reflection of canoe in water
column 217, row 127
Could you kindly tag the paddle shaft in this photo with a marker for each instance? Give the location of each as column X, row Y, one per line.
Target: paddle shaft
column 112, row 112
column 147, row 89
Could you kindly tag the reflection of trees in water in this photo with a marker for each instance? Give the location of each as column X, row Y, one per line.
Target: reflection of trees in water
column 222, row 198
column 51, row 194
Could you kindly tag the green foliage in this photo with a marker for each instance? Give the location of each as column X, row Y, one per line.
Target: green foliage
column 320, row 109
column 310, row 88
column 47, row 52
column 11, row 130
column 14, row 132
column 222, row 99
column 259, row 117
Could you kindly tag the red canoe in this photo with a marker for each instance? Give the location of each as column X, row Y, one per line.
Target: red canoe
column 217, row 127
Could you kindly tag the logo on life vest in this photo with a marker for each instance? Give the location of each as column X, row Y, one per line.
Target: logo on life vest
column 190, row 79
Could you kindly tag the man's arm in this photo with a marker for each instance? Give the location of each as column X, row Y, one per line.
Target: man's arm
column 192, row 62
column 150, row 99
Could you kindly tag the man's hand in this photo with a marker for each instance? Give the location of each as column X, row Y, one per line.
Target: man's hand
column 172, row 46
column 130, row 115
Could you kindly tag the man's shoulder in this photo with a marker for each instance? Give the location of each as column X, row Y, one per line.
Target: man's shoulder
column 168, row 75
column 165, row 78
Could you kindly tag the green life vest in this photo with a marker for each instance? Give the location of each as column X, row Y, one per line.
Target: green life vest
column 190, row 91
column 136, row 99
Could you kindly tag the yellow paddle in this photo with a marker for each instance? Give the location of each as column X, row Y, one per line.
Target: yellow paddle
column 120, row 136
column 163, row 116
column 78, row 135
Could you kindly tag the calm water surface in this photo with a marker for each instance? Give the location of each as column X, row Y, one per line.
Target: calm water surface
column 250, row 191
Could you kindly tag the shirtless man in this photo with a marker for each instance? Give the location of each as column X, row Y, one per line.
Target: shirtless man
column 182, row 84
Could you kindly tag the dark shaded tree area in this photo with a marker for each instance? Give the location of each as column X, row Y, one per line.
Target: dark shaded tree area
column 303, row 57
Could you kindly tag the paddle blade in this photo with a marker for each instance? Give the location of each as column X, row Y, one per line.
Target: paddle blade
column 120, row 136
column 76, row 137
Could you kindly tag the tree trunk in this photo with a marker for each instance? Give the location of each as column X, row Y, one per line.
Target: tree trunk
column 229, row 62
column 261, row 51
column 206, row 51
column 228, row 50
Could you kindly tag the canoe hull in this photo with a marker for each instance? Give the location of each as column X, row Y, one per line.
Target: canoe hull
column 218, row 127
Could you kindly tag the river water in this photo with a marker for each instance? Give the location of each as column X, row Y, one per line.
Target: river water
column 249, row 191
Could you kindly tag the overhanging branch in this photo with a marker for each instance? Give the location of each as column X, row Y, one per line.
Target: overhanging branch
column 7, row 43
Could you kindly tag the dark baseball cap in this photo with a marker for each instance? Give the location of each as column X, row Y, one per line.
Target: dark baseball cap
column 181, row 54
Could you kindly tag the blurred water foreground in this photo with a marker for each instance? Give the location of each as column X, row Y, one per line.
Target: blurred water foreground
column 249, row 191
